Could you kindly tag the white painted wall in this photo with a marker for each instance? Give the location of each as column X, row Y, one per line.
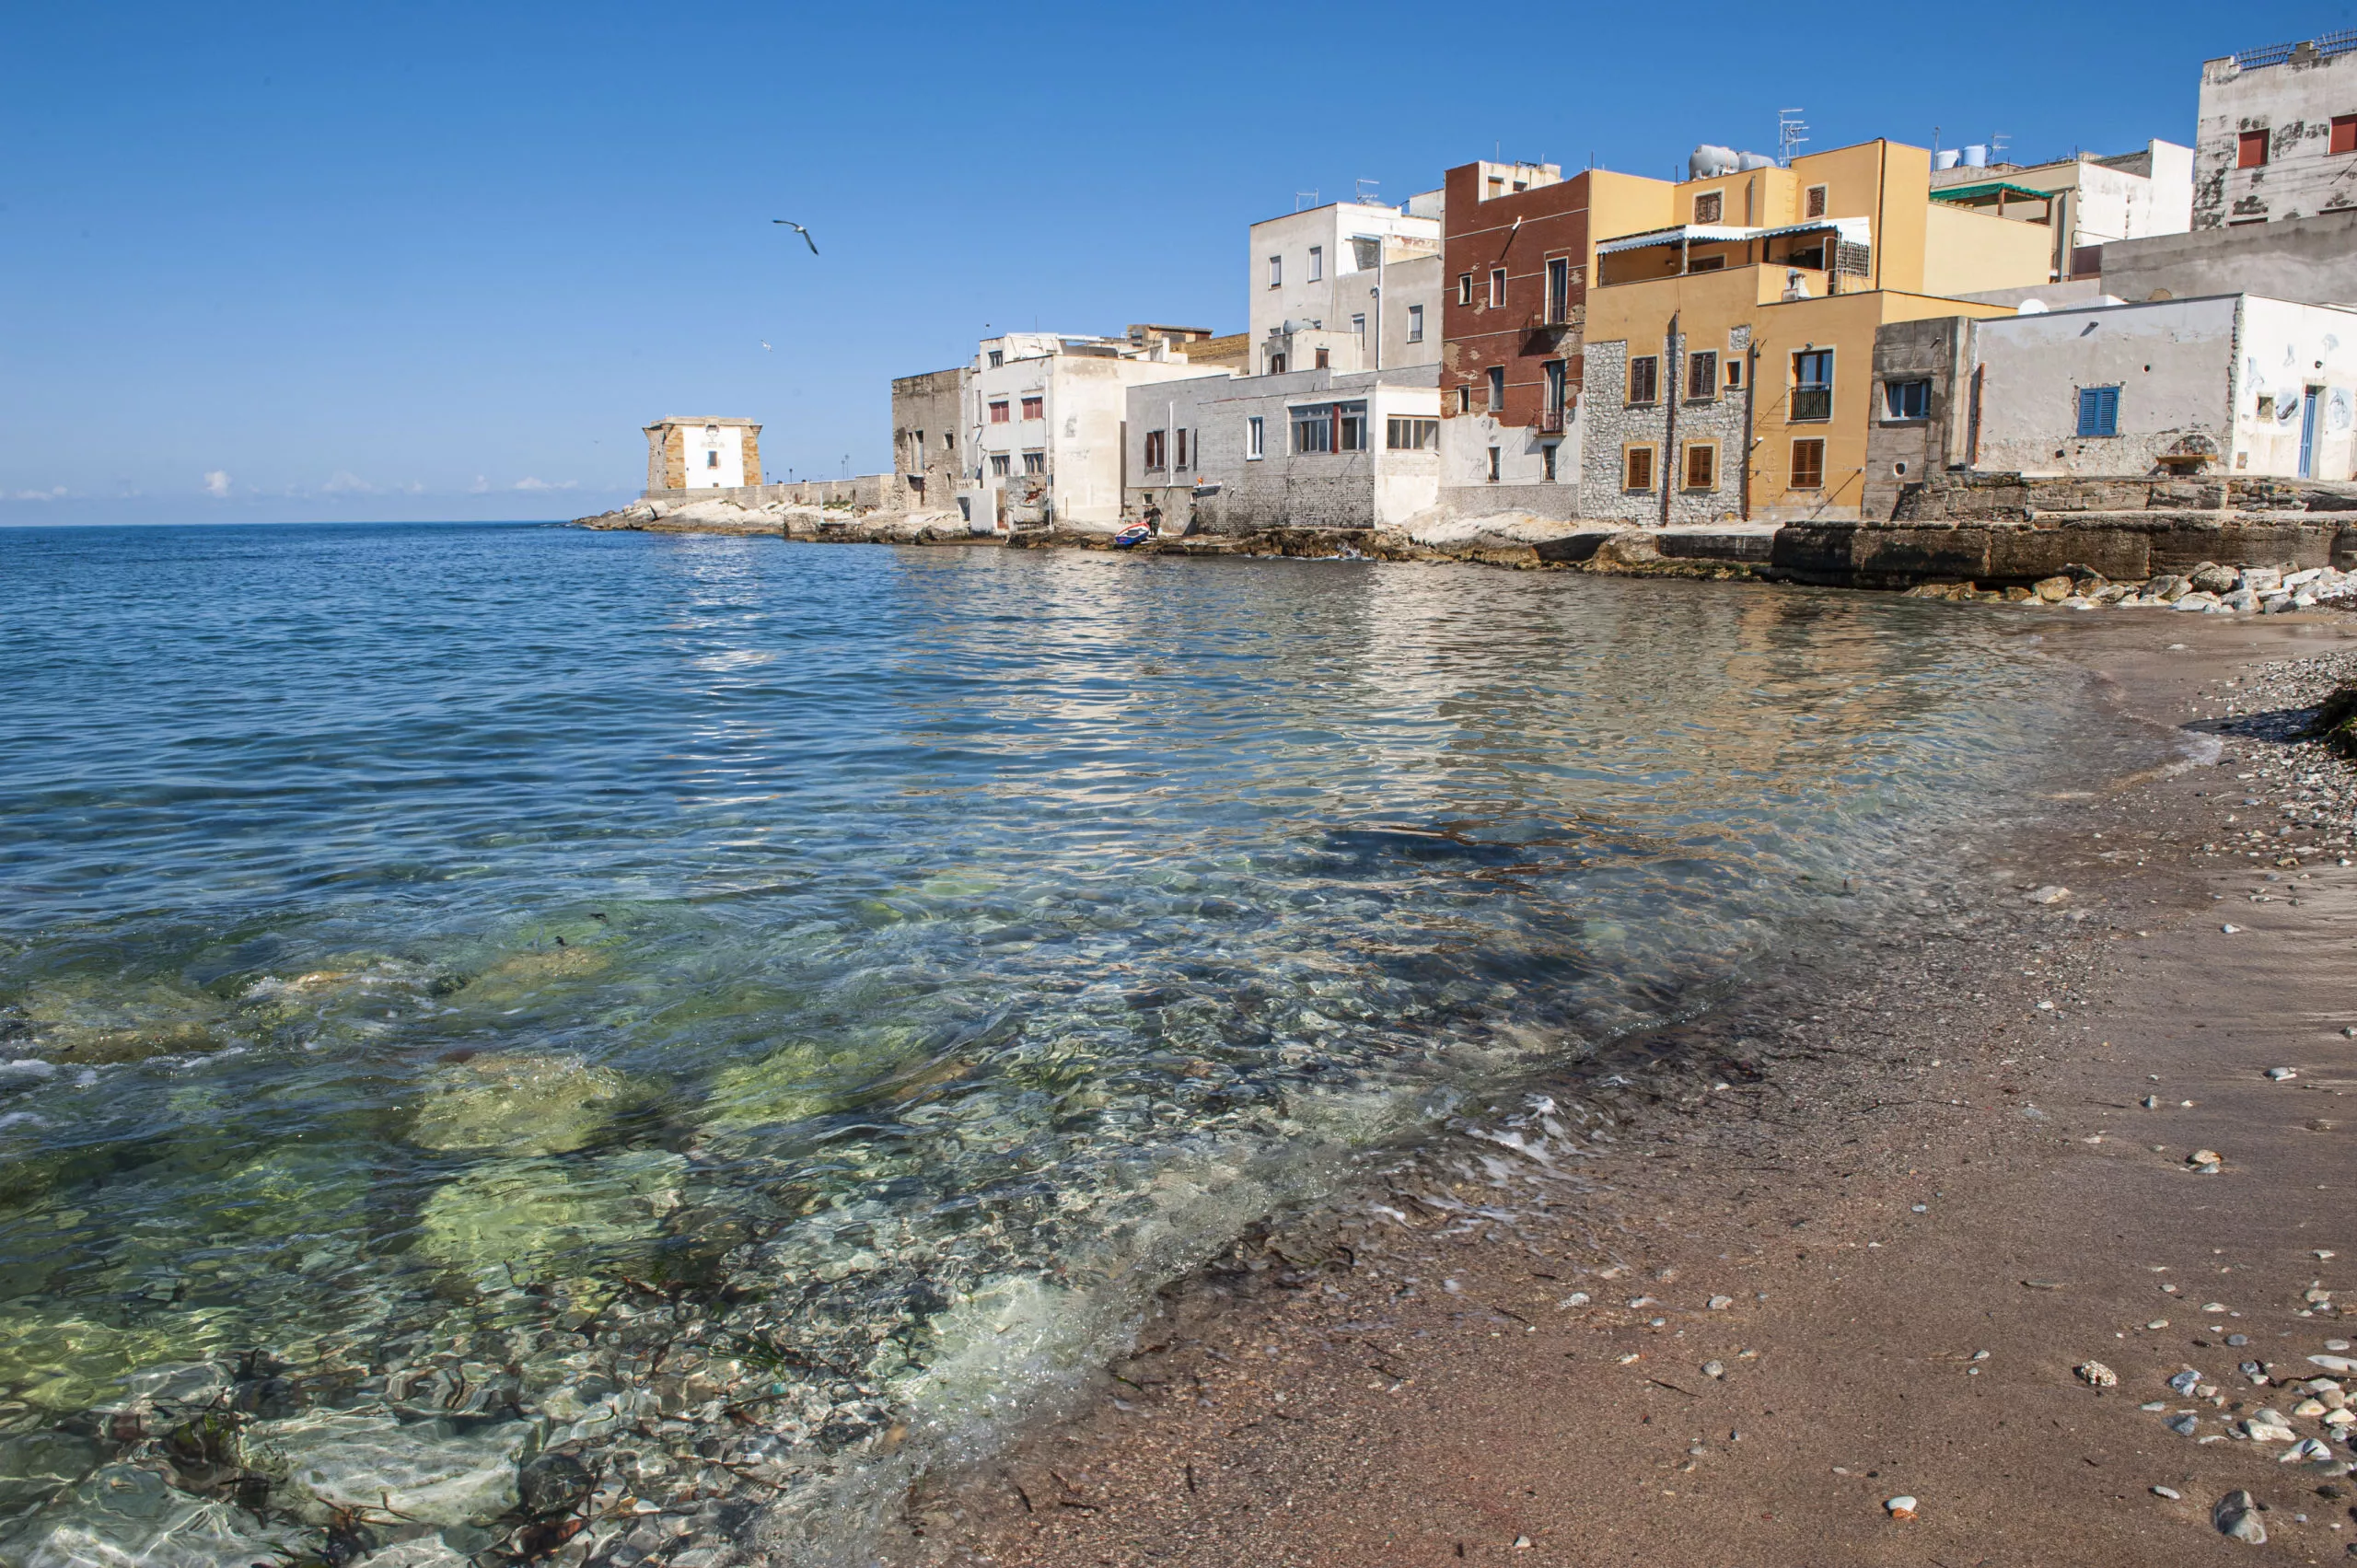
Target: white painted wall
column 1083, row 403
column 2286, row 349
column 1344, row 290
column 703, row 445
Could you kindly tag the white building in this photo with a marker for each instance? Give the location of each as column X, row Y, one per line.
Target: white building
column 702, row 454
column 1043, row 414
column 2088, row 201
column 2231, row 383
column 2275, row 135
column 1354, row 281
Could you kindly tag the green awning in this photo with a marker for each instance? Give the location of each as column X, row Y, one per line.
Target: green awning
column 1987, row 189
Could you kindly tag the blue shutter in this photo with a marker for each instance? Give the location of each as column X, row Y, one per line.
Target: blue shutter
column 2099, row 411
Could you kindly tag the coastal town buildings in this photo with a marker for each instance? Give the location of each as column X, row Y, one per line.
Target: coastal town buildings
column 702, row 454
column 1043, row 419
column 2275, row 133
column 2085, row 202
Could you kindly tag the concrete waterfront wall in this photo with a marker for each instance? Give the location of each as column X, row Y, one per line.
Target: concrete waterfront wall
column 2123, row 548
column 867, row 493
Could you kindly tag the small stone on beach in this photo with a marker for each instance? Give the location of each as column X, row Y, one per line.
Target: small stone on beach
column 2095, row 1374
column 1902, row 1506
column 2052, row 893
column 2236, row 1515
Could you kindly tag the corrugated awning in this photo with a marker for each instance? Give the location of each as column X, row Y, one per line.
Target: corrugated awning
column 1853, row 231
column 1990, row 188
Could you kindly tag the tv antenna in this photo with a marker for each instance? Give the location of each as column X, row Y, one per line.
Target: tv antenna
column 1368, row 192
column 1304, row 199
column 1997, row 140
column 1789, row 126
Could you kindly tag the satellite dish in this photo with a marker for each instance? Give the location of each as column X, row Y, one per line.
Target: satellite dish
column 2030, row 307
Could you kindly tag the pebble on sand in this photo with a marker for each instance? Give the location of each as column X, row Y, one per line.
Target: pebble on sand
column 2171, row 1492
column 2052, row 893
column 2280, row 1073
column 2095, row 1374
column 2230, row 930
column 1902, row 1506
column 2236, row 1515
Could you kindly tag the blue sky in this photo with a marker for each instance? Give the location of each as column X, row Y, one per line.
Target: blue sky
column 268, row 263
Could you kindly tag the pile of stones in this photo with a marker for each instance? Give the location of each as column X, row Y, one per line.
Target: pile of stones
column 2209, row 588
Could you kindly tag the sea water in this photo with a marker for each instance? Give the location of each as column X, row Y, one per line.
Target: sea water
column 746, row 1018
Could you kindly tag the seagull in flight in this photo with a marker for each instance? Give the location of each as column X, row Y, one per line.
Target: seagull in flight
column 800, row 230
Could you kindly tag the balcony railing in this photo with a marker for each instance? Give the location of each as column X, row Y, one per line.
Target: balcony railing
column 1812, row 403
column 1551, row 421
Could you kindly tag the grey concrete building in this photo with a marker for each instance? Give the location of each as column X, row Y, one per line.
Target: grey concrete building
column 1919, row 424
column 2312, row 260
column 928, row 433
column 2276, row 134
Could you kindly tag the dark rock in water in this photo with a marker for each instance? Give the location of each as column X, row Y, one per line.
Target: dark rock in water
column 269, row 1397
column 553, row 1483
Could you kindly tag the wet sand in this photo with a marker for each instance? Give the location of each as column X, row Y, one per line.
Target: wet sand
column 1797, row 1222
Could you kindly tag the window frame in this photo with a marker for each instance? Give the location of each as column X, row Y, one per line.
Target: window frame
column 1277, row 271
column 2342, row 136
column 1497, row 288
column 1157, row 451
column 1703, row 365
column 1630, row 452
column 1497, row 469
column 1035, row 406
column 1894, row 402
column 1256, row 435
column 1629, row 398
column 1415, row 323
column 1795, row 415
column 1422, row 434
column 1035, row 460
column 1709, row 452
column 2097, row 406
column 1000, row 412
column 1718, row 201
column 1465, row 397
column 1325, row 359
column 1817, row 202
column 1002, row 465
column 1735, row 371
column 1178, row 448
column 1465, row 288
column 2246, row 142
column 1558, row 289
column 1495, row 379
column 1316, row 263
column 1792, row 468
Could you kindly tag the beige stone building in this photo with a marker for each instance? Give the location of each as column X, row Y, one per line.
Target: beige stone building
column 702, row 454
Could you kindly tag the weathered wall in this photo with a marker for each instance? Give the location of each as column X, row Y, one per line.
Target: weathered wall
column 2285, row 351
column 2295, row 103
column 2172, row 362
column 1344, row 290
column 2312, row 259
column 928, row 433
column 1614, row 424
column 1904, row 452
column 865, row 493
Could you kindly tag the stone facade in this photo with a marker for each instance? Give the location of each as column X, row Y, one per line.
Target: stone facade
column 1614, row 425
column 1903, row 451
column 673, row 445
column 928, row 433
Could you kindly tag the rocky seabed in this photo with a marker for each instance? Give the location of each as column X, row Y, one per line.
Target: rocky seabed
column 2209, row 588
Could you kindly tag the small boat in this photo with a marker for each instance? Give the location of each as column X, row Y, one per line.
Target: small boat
column 1131, row 537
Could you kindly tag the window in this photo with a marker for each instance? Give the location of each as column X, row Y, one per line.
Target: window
column 1709, row 206
column 1735, row 373
column 2250, row 150
column 1493, row 465
column 1497, row 288
column 1813, row 202
column 1906, row 400
column 1415, row 323
column 1358, row 331
column 1465, row 288
column 1330, row 427
column 1001, row 465
column 1812, row 384
column 712, row 460
column 1276, row 364
column 1366, row 252
column 1276, row 272
column 1035, row 462
column 1035, row 408
column 1254, row 438
column 1701, row 465
column 998, row 357
column 1706, row 264
column 1636, row 468
column 1497, row 388
column 1809, row 465
column 1325, row 359
column 2344, row 134
column 1547, row 458
column 1465, row 398
column 1556, row 384
column 1156, row 444
column 1644, row 374
column 1413, row 435
column 1703, row 376
column 1558, row 289
column 1316, row 263
column 1180, row 458
column 2098, row 411
column 998, row 412
column 2266, row 407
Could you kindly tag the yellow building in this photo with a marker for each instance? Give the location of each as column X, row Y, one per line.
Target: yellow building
column 1728, row 355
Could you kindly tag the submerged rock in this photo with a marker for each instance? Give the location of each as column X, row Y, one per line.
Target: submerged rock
column 519, row 1103
column 126, row 1518
column 526, row 1213
column 426, row 1471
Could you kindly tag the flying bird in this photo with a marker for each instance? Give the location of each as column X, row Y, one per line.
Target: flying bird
column 800, row 230
column 765, row 343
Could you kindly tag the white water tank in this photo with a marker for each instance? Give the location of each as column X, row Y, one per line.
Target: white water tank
column 1747, row 162
column 1976, row 155
column 1945, row 157
column 1708, row 162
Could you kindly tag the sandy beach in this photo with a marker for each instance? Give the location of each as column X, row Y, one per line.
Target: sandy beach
column 1856, row 1235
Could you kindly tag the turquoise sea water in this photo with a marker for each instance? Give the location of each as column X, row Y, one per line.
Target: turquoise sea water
column 738, row 1013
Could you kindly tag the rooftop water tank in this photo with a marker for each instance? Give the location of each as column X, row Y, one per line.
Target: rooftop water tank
column 1749, row 161
column 1708, row 162
column 1945, row 157
column 1976, row 155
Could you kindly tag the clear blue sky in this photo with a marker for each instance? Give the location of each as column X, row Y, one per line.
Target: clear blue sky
column 268, row 263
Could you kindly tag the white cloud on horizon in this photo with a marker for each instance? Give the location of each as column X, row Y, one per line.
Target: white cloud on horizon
column 529, row 483
column 343, row 481
column 216, row 482
column 53, row 493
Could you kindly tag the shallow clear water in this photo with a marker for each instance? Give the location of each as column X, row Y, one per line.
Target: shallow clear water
column 464, row 947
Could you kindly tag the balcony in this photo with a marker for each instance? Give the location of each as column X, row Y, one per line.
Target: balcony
column 1812, row 404
column 1543, row 332
column 1551, row 421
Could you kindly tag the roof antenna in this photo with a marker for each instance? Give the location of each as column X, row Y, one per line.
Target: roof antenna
column 1368, row 191
column 1304, row 199
column 1789, row 126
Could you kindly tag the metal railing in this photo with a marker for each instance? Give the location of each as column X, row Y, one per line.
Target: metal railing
column 1812, row 403
column 2327, row 45
column 1551, row 421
